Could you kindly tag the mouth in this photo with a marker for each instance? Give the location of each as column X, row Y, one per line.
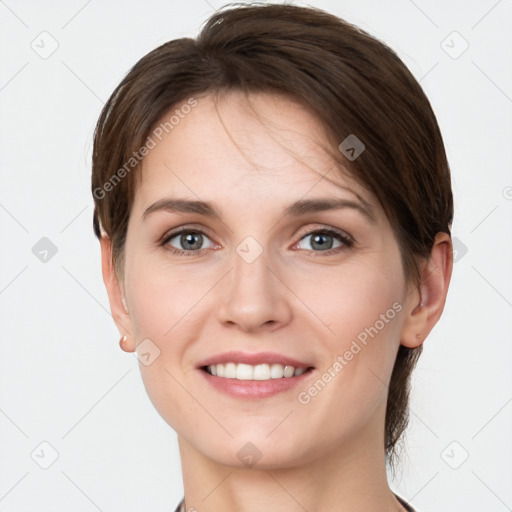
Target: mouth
column 254, row 376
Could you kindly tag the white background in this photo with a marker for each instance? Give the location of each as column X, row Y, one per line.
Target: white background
column 63, row 377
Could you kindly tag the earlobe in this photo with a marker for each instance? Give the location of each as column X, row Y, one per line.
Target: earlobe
column 425, row 305
column 125, row 344
column 118, row 305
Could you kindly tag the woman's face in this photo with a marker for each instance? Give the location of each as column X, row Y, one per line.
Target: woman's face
column 276, row 277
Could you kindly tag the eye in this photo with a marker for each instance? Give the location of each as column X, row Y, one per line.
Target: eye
column 187, row 241
column 325, row 240
column 191, row 242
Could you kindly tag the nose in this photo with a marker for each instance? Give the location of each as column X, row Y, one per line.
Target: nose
column 253, row 297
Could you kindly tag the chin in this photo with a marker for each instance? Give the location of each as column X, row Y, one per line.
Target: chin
column 256, row 452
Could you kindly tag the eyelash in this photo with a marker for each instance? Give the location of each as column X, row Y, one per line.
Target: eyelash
column 347, row 241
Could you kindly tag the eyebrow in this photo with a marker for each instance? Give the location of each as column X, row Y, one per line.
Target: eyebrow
column 297, row 209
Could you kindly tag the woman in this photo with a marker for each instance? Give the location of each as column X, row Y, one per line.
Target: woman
column 273, row 203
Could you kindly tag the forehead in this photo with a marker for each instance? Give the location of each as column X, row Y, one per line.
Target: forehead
column 262, row 145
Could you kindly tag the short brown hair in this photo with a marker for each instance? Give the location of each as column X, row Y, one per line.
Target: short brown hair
column 352, row 82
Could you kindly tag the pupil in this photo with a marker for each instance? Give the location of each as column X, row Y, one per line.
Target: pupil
column 320, row 240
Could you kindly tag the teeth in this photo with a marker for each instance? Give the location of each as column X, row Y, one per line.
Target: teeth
column 276, row 371
column 288, row 371
column 230, row 371
column 262, row 372
column 244, row 372
column 259, row 372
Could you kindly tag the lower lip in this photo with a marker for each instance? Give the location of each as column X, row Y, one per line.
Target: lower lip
column 253, row 389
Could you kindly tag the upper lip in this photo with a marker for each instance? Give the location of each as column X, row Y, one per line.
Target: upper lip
column 253, row 359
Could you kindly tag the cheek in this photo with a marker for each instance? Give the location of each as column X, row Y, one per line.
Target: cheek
column 164, row 304
column 161, row 298
column 363, row 313
column 360, row 316
column 348, row 302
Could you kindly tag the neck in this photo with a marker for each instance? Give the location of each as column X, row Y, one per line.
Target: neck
column 349, row 478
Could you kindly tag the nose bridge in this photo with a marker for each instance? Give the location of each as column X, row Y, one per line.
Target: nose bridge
column 253, row 296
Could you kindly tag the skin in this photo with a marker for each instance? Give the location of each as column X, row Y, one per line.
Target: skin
column 293, row 299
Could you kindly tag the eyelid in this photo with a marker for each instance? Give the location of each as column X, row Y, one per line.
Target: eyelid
column 188, row 227
column 329, row 229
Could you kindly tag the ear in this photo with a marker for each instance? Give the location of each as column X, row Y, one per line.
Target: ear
column 118, row 306
column 425, row 305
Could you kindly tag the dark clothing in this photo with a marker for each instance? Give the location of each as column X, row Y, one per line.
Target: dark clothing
column 405, row 504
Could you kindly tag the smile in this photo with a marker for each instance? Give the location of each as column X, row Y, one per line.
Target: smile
column 259, row 372
column 246, row 375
